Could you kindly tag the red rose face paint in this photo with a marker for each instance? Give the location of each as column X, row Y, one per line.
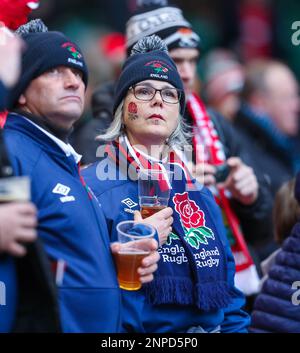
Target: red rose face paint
column 132, row 108
column 132, row 111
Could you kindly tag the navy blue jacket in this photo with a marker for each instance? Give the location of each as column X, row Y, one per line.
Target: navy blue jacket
column 116, row 197
column 277, row 307
column 72, row 227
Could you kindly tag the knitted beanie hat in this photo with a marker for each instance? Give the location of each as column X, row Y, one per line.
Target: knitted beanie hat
column 43, row 51
column 149, row 61
column 165, row 21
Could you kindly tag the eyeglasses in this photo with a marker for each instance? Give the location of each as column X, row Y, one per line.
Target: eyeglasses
column 147, row 93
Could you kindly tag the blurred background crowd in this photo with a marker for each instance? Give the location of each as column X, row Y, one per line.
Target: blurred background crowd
column 232, row 32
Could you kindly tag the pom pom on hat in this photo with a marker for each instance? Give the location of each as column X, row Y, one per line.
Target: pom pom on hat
column 32, row 27
column 148, row 44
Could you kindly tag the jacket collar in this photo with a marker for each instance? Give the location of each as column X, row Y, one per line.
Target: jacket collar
column 66, row 147
column 19, row 123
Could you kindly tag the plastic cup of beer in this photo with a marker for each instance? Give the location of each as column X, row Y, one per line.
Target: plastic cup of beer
column 154, row 187
column 134, row 240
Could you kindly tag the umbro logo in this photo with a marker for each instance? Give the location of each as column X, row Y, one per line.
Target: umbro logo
column 129, row 203
column 63, row 190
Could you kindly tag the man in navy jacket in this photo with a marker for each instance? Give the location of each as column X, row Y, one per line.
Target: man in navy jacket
column 45, row 104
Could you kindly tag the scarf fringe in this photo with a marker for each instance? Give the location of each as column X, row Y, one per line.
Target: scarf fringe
column 170, row 291
column 206, row 296
column 213, row 296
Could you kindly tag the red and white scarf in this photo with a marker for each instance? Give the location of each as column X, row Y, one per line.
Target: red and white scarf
column 206, row 135
column 135, row 159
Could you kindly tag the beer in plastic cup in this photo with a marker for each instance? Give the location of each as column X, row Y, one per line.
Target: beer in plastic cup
column 134, row 246
column 154, row 187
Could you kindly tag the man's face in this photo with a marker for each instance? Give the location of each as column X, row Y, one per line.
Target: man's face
column 186, row 61
column 281, row 100
column 56, row 96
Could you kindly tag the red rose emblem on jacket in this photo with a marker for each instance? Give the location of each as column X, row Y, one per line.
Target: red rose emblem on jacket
column 190, row 214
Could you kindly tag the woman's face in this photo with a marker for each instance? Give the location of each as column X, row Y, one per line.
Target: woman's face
column 153, row 121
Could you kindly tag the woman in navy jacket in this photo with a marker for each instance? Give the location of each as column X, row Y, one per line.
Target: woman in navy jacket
column 193, row 289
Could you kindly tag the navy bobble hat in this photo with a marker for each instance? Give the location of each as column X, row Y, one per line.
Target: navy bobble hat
column 149, row 61
column 43, row 51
